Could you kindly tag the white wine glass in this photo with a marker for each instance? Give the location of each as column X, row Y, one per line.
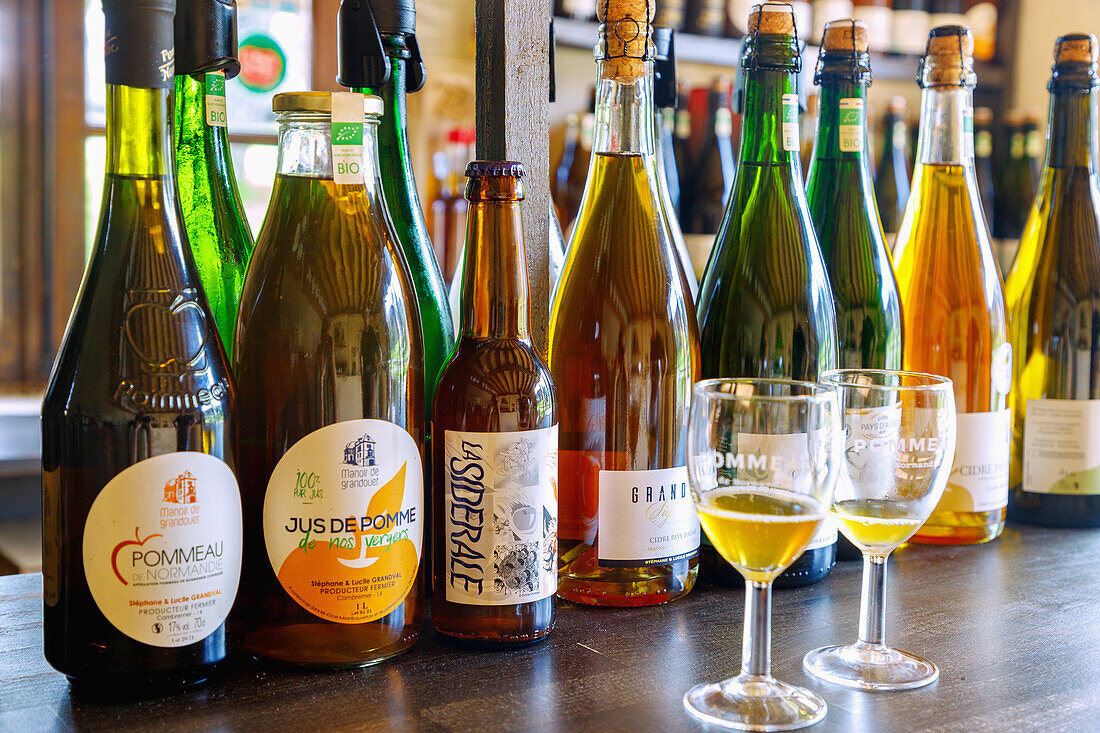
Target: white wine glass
column 763, row 457
column 899, row 430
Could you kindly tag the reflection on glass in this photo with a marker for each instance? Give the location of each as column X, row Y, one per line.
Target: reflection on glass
column 763, row 458
column 899, row 444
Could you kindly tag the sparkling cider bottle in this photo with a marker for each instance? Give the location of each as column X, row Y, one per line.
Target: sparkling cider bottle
column 951, row 295
column 624, row 354
column 1054, row 313
column 765, row 306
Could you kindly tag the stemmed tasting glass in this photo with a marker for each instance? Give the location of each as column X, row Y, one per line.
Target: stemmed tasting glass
column 763, row 457
column 899, row 432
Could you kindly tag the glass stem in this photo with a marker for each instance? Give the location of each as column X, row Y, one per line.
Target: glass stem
column 872, row 625
column 756, row 649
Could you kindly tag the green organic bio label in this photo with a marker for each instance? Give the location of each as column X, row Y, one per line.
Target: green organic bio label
column 983, row 144
column 215, row 98
column 851, row 125
column 347, row 137
column 790, row 122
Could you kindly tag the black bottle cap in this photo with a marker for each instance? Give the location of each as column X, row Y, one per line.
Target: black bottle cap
column 395, row 16
column 138, row 43
column 360, row 59
column 664, row 68
column 495, row 168
column 206, row 37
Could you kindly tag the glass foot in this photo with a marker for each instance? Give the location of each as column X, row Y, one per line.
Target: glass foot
column 870, row 667
column 748, row 702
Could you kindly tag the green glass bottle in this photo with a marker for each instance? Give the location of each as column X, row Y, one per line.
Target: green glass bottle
column 765, row 306
column 1053, row 296
column 845, row 217
column 892, row 177
column 221, row 242
column 373, row 37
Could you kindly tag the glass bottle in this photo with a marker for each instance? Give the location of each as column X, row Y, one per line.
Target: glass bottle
column 139, row 415
column 1018, row 182
column 892, row 176
column 765, row 305
column 217, row 229
column 330, row 361
column 842, row 207
column 560, row 184
column 715, row 167
column 668, row 179
column 395, row 21
column 624, row 352
column 495, row 439
column 951, row 296
column 983, row 157
column 1053, row 297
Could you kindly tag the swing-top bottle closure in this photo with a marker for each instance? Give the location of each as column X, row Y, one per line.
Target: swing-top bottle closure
column 948, row 59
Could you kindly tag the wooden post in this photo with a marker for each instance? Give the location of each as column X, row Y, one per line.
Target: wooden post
column 513, row 123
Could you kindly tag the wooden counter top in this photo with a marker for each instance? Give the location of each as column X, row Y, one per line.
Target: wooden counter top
column 1014, row 627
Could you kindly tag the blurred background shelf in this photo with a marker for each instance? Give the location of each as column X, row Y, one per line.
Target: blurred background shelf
column 726, row 52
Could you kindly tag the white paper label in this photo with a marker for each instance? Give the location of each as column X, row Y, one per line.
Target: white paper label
column 343, row 520
column 500, row 516
column 347, row 137
column 790, row 122
column 162, row 548
column 851, row 125
column 215, row 98
column 979, row 475
column 646, row 518
column 1062, row 447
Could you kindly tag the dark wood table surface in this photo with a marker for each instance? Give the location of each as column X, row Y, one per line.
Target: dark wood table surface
column 1013, row 625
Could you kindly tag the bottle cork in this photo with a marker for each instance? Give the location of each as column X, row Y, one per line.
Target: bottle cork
column 775, row 19
column 1014, row 117
column 983, row 116
column 627, row 25
column 898, row 106
column 845, row 36
column 1076, row 49
column 949, row 57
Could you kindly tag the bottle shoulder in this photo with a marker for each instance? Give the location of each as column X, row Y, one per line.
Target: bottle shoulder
column 486, row 375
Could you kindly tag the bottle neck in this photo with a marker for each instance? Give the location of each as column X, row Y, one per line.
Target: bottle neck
column 139, row 142
column 842, row 123
column 393, row 135
column 946, row 127
column 305, row 148
column 770, row 135
column 1072, row 142
column 624, row 113
column 196, row 138
column 494, row 283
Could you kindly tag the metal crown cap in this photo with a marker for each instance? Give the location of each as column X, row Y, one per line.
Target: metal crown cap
column 482, row 168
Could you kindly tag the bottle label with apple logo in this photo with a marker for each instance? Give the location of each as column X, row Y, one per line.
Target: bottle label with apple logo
column 162, row 548
column 344, row 520
column 500, row 526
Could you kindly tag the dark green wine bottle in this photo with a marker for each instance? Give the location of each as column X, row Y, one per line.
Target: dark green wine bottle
column 765, row 306
column 373, row 37
column 140, row 503
column 221, row 242
column 842, row 206
column 892, row 177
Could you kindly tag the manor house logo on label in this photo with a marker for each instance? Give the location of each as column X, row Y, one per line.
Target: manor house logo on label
column 181, row 490
column 359, row 452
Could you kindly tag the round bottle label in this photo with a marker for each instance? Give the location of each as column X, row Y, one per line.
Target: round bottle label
column 343, row 520
column 162, row 548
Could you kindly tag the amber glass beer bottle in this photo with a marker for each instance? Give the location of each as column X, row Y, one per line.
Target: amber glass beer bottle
column 495, row 437
column 141, row 513
column 332, row 410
